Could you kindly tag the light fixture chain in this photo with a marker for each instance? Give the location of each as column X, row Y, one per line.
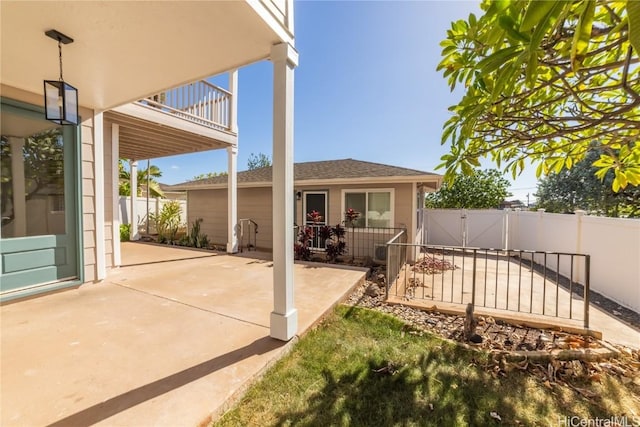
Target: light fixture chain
column 60, row 55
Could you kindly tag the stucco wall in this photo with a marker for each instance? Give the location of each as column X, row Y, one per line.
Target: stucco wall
column 402, row 201
column 256, row 203
column 211, row 206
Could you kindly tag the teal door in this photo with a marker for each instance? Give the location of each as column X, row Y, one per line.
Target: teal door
column 38, row 199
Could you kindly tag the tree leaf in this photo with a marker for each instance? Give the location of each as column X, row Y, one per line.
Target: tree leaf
column 509, row 25
column 535, row 12
column 582, row 34
column 633, row 11
column 494, row 61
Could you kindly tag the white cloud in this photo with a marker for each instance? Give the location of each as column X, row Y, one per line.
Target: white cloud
column 175, row 167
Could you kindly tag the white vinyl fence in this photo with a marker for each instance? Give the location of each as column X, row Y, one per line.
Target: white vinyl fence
column 612, row 243
column 155, row 206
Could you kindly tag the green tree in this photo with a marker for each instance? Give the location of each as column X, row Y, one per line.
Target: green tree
column 259, row 160
column 543, row 79
column 578, row 188
column 207, row 175
column 125, row 180
column 478, row 190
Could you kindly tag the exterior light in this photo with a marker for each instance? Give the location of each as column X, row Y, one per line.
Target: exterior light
column 60, row 98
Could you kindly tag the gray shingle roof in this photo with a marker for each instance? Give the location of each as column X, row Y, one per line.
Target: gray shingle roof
column 321, row 170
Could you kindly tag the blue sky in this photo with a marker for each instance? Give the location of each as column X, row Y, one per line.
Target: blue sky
column 366, row 88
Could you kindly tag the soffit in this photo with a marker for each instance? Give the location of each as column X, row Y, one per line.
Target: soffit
column 125, row 51
column 141, row 139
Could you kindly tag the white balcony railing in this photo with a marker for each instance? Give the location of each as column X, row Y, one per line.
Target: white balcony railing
column 200, row 102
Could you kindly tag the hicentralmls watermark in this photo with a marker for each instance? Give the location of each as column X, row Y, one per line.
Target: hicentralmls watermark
column 621, row 421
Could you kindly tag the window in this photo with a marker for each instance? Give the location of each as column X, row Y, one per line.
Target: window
column 57, row 203
column 375, row 207
column 33, row 164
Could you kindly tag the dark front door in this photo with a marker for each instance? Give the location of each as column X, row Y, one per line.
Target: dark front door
column 315, row 206
column 39, row 242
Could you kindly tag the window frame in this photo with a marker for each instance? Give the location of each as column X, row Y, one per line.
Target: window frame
column 366, row 191
column 325, row 220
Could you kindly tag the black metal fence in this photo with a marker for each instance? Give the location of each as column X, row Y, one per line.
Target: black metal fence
column 396, row 256
column 360, row 242
column 549, row 284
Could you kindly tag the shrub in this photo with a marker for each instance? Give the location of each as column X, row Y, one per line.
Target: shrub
column 125, row 232
column 333, row 238
column 168, row 222
column 334, row 242
column 301, row 248
column 196, row 238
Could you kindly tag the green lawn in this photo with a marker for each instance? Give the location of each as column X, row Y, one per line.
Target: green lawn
column 330, row 379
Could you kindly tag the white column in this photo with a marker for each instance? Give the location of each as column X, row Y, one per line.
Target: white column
column 284, row 318
column 232, row 199
column 98, row 192
column 413, row 254
column 421, row 220
column 133, row 172
column 115, row 193
column 18, row 187
column 233, row 113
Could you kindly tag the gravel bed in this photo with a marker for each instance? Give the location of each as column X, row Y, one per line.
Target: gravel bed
column 496, row 335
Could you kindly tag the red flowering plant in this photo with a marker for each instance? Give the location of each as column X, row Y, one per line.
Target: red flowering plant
column 333, row 238
column 306, row 234
column 301, row 249
column 351, row 216
column 315, row 217
column 334, row 244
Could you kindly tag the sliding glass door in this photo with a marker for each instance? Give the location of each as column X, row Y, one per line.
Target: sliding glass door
column 38, row 199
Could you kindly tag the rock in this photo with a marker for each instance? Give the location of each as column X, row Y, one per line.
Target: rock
column 475, row 338
column 373, row 290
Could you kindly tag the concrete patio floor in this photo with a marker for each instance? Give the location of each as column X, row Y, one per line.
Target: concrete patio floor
column 168, row 339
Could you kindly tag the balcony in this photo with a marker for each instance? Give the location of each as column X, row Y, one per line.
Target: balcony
column 187, row 119
column 200, row 102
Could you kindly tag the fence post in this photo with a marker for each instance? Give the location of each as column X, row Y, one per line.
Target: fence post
column 579, row 214
column 473, row 279
column 387, row 285
column 539, row 227
column 505, row 224
column 585, row 298
column 463, row 217
column 514, row 229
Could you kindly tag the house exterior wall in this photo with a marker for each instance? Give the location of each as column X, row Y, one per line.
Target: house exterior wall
column 256, row 204
column 401, row 208
column 86, row 173
column 211, row 206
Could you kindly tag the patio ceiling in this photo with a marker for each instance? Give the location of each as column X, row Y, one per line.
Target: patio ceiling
column 165, row 136
column 124, row 51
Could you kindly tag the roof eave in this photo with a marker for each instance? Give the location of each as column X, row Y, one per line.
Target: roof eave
column 334, row 181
